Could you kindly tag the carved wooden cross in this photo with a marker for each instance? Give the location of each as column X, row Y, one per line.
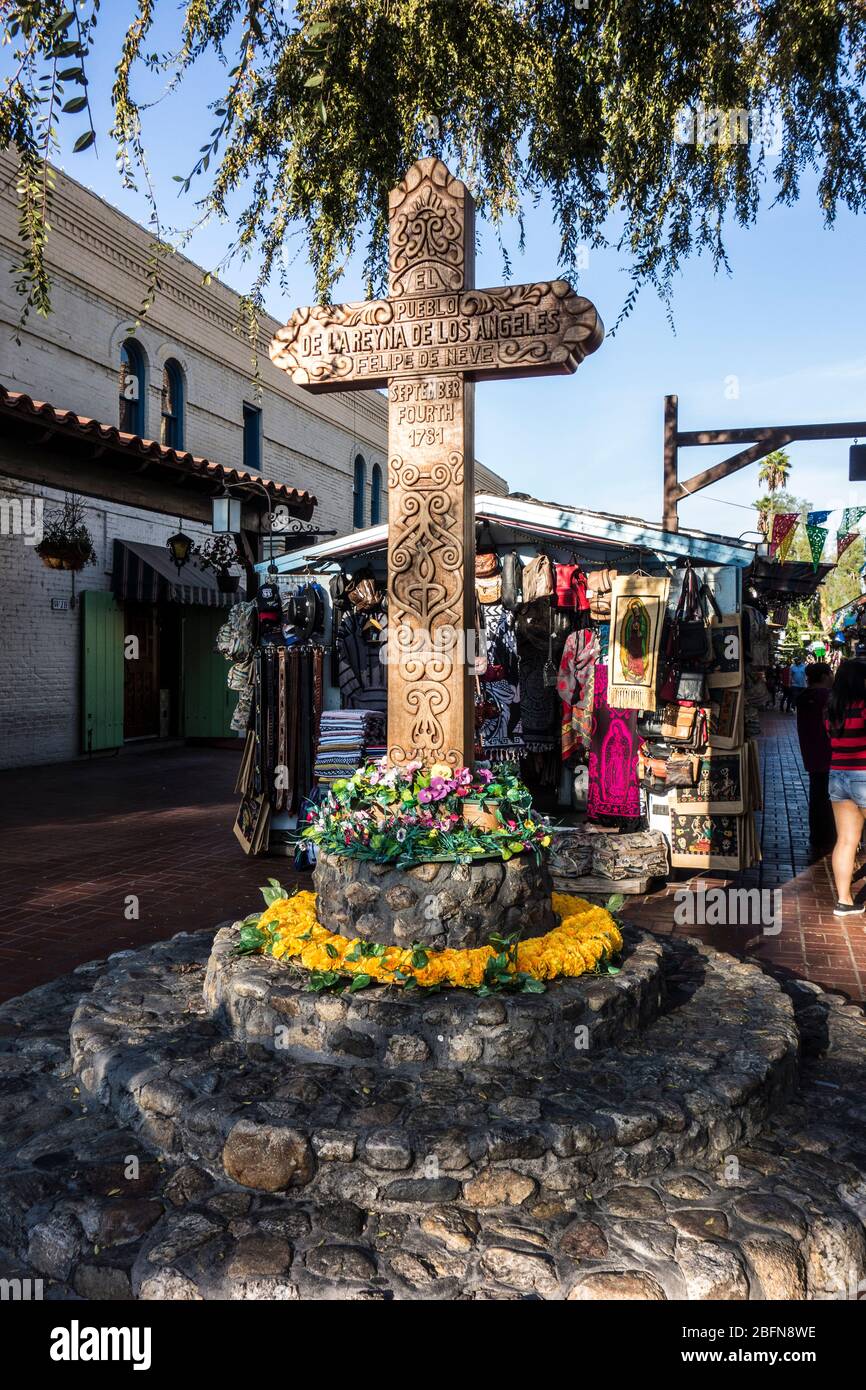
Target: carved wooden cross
column 428, row 343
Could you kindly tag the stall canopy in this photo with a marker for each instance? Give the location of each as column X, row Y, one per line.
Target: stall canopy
column 148, row 574
column 517, row 517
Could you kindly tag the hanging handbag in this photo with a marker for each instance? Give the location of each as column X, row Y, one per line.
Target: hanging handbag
column 599, row 584
column 690, row 686
column 512, row 581
column 488, row 590
column 678, row 722
column 486, row 558
column 538, row 580
column 363, row 592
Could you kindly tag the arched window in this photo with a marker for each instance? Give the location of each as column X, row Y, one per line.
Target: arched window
column 358, row 491
column 131, row 413
column 172, row 405
column 375, row 495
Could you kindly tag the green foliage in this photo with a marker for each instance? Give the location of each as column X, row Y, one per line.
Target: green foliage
column 65, row 528
column 320, row 115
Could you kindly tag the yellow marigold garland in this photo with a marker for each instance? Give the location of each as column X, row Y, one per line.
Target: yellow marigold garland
column 585, row 935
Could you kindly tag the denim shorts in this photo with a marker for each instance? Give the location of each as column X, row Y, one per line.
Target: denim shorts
column 849, row 786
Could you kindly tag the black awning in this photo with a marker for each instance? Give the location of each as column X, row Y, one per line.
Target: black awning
column 148, row 574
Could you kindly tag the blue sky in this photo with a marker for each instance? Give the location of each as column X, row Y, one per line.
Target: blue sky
column 788, row 324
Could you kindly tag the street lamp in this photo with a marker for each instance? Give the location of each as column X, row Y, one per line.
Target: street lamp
column 226, row 515
column 179, row 547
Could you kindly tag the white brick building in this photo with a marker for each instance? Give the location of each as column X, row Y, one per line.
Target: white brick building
column 333, row 446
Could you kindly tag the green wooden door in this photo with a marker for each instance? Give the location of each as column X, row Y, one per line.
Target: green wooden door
column 208, row 704
column 101, row 672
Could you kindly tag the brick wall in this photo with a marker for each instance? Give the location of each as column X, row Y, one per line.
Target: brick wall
column 99, row 266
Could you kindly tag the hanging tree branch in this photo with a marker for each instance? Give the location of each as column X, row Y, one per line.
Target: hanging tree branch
column 583, row 102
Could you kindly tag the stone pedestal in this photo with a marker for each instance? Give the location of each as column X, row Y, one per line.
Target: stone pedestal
column 442, row 905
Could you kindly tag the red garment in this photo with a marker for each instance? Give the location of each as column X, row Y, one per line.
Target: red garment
column 812, row 731
column 571, row 587
column 849, row 747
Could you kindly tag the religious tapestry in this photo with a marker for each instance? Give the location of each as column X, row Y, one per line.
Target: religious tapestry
column 614, row 790
column 726, row 638
column 638, row 607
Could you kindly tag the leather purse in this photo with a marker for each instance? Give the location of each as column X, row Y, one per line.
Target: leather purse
column 678, row 722
column 489, row 590
column 486, row 564
column 363, row 592
column 538, row 579
column 599, row 584
column 690, row 686
column 512, row 580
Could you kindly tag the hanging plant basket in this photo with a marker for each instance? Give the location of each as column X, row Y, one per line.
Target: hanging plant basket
column 62, row 557
column 66, row 543
column 228, row 583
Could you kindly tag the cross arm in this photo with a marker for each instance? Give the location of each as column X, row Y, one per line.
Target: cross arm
column 512, row 331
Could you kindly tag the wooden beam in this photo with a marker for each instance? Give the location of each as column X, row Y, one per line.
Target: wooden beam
column 848, row 429
column 670, row 520
column 778, row 439
column 762, row 440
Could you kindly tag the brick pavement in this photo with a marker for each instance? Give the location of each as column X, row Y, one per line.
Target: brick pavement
column 79, row 837
column 812, row 943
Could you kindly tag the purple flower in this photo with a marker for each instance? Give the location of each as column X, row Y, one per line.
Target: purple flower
column 484, row 775
column 425, row 795
column 439, row 788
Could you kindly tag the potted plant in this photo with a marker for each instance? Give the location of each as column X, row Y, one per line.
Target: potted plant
column 219, row 553
column 66, row 543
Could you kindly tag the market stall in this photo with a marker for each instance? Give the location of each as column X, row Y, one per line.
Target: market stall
column 608, row 667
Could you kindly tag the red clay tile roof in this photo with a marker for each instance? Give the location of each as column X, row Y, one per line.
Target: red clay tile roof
column 22, row 406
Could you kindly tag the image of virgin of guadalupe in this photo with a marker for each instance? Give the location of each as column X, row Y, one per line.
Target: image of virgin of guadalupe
column 634, row 653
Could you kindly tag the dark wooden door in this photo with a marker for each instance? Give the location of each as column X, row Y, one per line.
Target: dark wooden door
column 140, row 671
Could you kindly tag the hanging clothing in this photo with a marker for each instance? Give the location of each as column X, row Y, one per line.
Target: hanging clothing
column 614, row 789
column 363, row 675
column 501, row 734
column 539, row 704
column 575, row 686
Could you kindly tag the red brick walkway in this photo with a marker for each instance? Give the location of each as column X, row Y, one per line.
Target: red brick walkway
column 78, row 838
column 812, row 943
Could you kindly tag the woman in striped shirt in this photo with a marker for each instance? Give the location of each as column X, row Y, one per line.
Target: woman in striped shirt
column 846, row 723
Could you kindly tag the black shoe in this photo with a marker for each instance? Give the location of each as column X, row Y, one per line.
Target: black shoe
column 849, row 909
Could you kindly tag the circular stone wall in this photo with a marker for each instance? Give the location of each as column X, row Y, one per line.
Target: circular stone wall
column 259, row 1000
column 441, row 905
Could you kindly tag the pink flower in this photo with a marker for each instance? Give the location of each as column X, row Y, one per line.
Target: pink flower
column 484, row 775
column 512, row 825
column 462, row 777
column 410, row 768
column 439, row 788
column 424, row 795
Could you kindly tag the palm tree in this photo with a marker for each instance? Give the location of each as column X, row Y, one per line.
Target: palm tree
column 773, row 473
column 774, row 470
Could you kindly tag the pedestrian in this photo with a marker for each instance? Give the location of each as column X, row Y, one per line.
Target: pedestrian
column 816, row 751
column 798, row 679
column 785, row 705
column 773, row 684
column 846, row 724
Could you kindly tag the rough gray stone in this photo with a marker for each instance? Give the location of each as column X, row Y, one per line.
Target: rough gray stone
column 446, row 905
column 268, row 1157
